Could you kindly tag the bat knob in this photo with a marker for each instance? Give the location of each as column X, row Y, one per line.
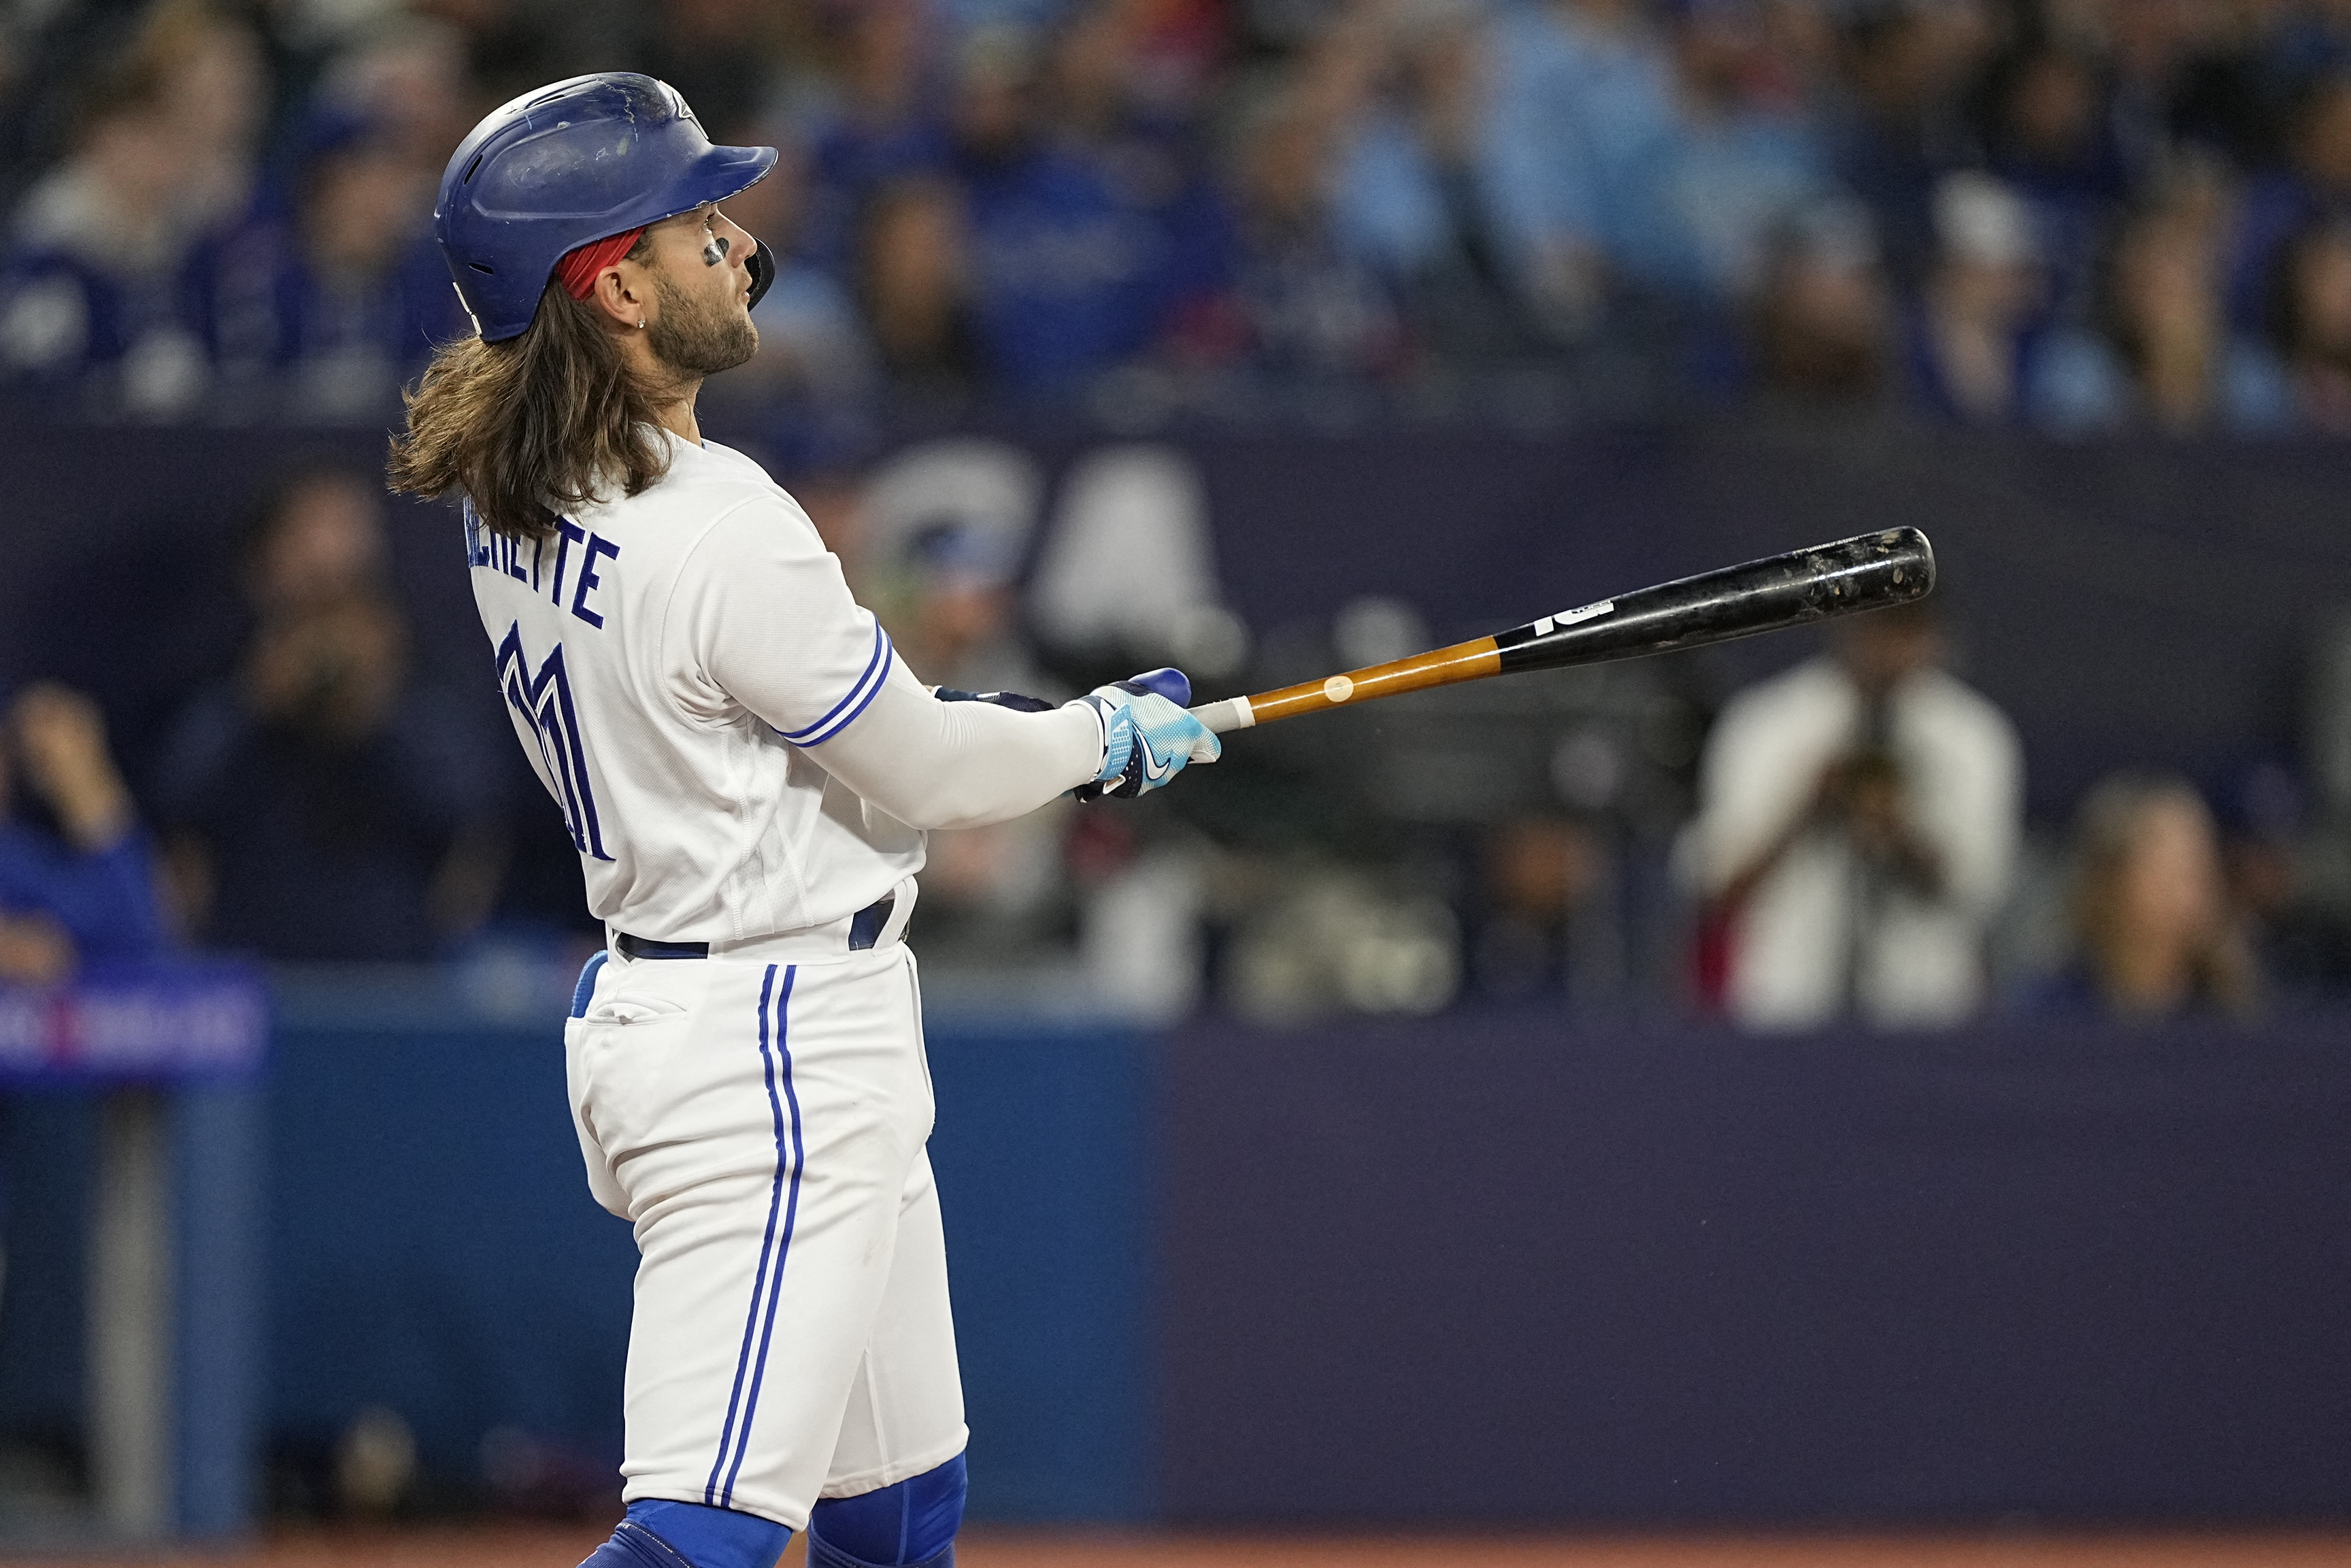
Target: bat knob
column 1170, row 683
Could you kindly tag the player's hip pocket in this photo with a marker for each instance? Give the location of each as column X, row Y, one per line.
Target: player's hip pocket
column 625, row 1007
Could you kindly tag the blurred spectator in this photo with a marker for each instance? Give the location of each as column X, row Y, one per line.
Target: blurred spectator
column 2051, row 140
column 1899, row 125
column 879, row 122
column 2310, row 325
column 80, row 886
column 1126, row 85
column 1857, row 823
column 2153, row 50
column 321, row 806
column 1310, row 310
column 404, row 77
column 814, row 348
column 1407, row 195
column 2277, row 881
column 915, row 275
column 1822, row 324
column 2166, row 356
column 943, row 530
column 1970, row 332
column 1071, row 271
column 1540, row 873
column 106, row 273
column 720, row 55
column 2154, row 932
column 1581, row 122
column 1745, row 157
column 2314, row 183
column 321, row 317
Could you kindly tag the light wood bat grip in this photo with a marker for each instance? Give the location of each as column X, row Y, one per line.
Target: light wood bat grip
column 1471, row 661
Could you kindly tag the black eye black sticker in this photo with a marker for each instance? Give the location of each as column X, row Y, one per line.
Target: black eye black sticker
column 715, row 251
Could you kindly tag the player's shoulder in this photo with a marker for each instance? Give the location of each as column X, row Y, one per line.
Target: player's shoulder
column 710, row 489
column 706, row 469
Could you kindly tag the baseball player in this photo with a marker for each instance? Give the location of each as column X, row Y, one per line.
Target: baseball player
column 747, row 770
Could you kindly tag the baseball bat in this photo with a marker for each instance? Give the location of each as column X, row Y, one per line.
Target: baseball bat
column 1868, row 572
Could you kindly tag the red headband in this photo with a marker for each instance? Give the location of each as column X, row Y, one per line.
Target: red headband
column 579, row 269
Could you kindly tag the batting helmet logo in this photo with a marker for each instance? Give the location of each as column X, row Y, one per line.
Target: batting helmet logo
column 577, row 162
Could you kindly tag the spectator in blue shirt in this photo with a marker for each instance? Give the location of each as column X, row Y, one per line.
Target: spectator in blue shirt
column 2051, row 140
column 1583, row 121
column 1744, row 157
column 1408, row 195
column 321, row 315
column 2314, row 185
column 103, row 287
column 80, row 887
column 881, row 123
column 1312, row 312
column 106, row 277
column 1070, row 273
column 1899, row 128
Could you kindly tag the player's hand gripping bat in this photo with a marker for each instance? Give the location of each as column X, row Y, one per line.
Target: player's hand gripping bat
column 1869, row 572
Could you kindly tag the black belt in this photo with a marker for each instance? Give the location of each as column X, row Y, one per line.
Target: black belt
column 864, row 930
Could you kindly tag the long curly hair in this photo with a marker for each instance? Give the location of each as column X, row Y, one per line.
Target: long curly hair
column 528, row 427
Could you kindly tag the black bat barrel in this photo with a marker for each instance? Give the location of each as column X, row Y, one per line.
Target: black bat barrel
column 1869, row 572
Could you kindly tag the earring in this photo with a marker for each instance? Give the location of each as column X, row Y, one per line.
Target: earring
column 641, row 324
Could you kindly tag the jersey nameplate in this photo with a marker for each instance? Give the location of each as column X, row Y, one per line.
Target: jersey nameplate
column 549, row 563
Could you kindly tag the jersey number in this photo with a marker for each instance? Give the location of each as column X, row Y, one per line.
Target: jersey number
column 544, row 702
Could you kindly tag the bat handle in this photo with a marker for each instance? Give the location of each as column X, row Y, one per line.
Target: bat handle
column 1222, row 718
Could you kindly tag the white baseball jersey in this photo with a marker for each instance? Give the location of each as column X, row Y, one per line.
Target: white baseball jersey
column 673, row 661
column 743, row 760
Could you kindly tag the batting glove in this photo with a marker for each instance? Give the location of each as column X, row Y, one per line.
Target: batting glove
column 1147, row 737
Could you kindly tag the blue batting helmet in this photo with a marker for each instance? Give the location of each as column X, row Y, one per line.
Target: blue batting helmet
column 578, row 162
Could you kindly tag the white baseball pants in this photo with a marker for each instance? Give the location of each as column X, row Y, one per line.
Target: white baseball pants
column 762, row 1123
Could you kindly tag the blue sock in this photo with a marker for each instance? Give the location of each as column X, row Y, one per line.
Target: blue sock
column 658, row 1533
column 909, row 1525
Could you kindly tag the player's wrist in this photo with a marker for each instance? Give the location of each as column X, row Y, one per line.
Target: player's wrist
column 1115, row 728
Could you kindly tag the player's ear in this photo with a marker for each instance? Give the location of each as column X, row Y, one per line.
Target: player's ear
column 617, row 299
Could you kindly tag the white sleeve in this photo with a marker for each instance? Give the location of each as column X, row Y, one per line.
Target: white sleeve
column 964, row 764
column 769, row 622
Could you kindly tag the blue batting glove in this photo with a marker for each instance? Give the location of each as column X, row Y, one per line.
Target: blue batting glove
column 1148, row 737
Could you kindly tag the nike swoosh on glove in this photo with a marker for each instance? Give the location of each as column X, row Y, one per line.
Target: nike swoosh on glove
column 1148, row 738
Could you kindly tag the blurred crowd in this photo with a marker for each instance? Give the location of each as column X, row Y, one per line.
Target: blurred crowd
column 1844, row 842
column 2079, row 215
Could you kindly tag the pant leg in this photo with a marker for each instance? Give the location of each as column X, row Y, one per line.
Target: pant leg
column 761, row 1121
column 905, row 1413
